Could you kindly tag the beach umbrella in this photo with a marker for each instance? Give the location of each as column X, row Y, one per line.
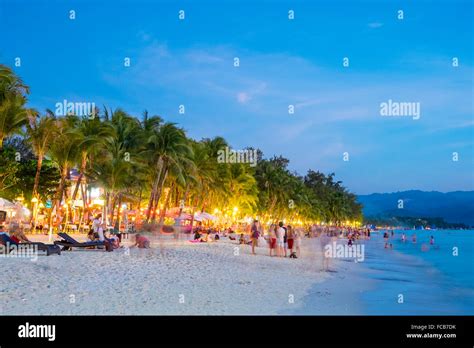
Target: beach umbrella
column 185, row 216
column 6, row 204
column 204, row 216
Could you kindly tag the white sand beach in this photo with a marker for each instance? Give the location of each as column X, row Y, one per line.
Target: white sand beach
column 175, row 278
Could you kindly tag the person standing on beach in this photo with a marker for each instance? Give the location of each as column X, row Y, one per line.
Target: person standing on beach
column 285, row 240
column 280, row 234
column 96, row 223
column 385, row 238
column 297, row 238
column 325, row 240
column 432, row 240
column 290, row 235
column 272, row 239
column 312, row 231
column 255, row 233
column 100, row 232
column 413, row 238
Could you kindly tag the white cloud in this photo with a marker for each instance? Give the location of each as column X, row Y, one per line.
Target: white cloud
column 243, row 97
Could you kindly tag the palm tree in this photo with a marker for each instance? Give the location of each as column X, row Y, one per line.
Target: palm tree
column 40, row 135
column 13, row 114
column 10, row 83
column 64, row 151
column 168, row 147
column 242, row 188
column 92, row 134
column 111, row 173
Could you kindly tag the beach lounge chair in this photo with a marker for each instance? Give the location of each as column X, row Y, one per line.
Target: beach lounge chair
column 49, row 248
column 67, row 242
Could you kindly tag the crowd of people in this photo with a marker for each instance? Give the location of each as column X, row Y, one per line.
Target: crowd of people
column 99, row 232
column 282, row 240
column 15, row 233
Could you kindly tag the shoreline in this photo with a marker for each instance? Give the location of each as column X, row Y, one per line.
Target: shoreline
column 176, row 277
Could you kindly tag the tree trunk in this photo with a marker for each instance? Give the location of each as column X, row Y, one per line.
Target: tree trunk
column 151, row 206
column 151, row 200
column 106, row 206
column 37, row 176
column 138, row 210
column 160, row 190
column 113, row 200
column 167, row 201
column 119, row 209
column 60, row 189
column 81, row 174
column 85, row 204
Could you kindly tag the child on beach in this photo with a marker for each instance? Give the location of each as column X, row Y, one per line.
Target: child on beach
column 141, row 242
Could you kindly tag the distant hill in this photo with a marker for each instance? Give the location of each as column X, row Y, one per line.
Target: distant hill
column 453, row 207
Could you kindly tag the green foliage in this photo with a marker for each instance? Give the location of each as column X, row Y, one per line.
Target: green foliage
column 132, row 159
column 17, row 172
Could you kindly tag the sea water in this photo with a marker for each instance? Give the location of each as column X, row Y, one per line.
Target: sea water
column 420, row 278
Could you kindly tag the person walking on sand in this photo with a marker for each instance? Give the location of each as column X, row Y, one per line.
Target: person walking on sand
column 272, row 239
column 432, row 240
column 385, row 238
column 280, row 234
column 285, row 240
column 325, row 240
column 254, row 233
column 96, row 223
column 290, row 235
column 297, row 238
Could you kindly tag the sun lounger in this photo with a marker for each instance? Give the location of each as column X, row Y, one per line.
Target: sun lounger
column 68, row 242
column 49, row 248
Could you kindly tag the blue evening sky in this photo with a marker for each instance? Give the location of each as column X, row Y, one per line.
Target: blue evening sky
column 282, row 62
